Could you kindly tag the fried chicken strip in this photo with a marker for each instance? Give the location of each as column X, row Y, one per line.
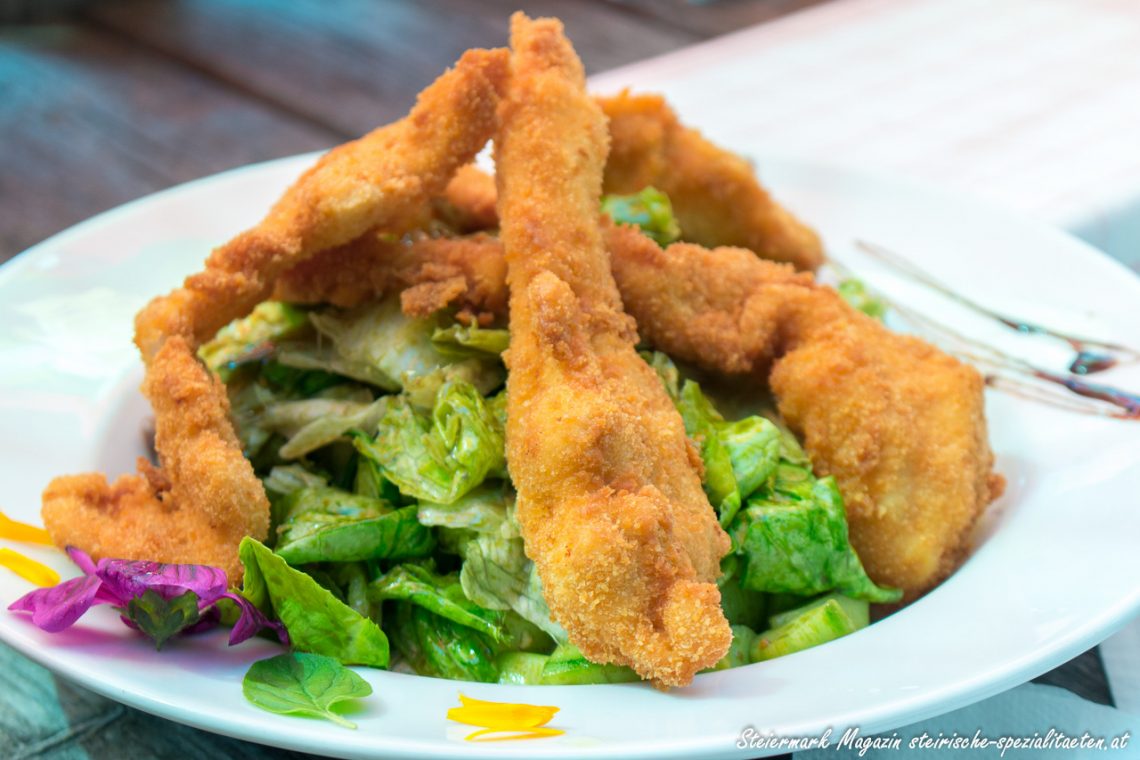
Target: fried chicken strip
column 147, row 516
column 609, row 496
column 900, row 424
column 383, row 180
column 206, row 497
column 429, row 273
column 715, row 193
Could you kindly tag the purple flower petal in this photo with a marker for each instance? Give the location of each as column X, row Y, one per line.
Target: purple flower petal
column 82, row 559
column 209, row 619
column 129, row 579
column 56, row 608
column 251, row 621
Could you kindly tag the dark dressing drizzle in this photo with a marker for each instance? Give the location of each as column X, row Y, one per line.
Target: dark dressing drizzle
column 1092, row 355
column 1127, row 405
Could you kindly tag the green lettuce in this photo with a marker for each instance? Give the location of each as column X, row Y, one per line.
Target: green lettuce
column 309, row 424
column 460, row 342
column 497, row 575
column 794, row 540
column 378, row 344
column 436, row 646
column 441, row 457
column 440, row 594
column 739, row 457
column 245, row 339
column 485, row 509
column 855, row 293
column 325, row 524
column 649, row 209
column 317, row 621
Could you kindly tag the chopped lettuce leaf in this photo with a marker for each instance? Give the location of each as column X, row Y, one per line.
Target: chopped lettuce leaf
column 436, row 646
column 649, row 209
column 856, row 294
column 378, row 344
column 283, row 480
column 702, row 425
column 441, row 594
column 753, row 445
column 496, row 574
column 484, row 510
column 666, row 370
column 312, row 423
column 739, row 456
column 461, row 342
column 329, row 525
column 442, row 457
column 794, row 540
column 316, row 620
column 243, row 339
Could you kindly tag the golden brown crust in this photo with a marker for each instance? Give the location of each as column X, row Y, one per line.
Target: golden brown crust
column 610, row 505
column 205, row 497
column 383, row 180
column 197, row 508
column 715, row 194
column 900, row 424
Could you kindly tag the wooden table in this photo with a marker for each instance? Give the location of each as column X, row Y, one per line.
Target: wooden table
column 113, row 100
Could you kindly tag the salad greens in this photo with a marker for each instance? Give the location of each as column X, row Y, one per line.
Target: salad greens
column 303, row 684
column 159, row 617
column 380, row 441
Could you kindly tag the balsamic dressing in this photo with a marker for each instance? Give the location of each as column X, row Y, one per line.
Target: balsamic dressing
column 1092, row 355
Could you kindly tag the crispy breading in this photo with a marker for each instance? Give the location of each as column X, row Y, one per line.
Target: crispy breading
column 383, row 180
column 468, row 204
column 899, row 423
column 197, row 508
column 609, row 499
column 430, row 273
column 715, row 193
column 205, row 497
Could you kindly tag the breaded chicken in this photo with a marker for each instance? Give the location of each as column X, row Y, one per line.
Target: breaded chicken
column 205, row 497
column 197, row 508
column 899, row 423
column 384, row 180
column 609, row 497
column 430, row 273
column 715, row 193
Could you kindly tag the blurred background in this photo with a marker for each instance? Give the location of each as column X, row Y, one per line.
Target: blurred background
column 103, row 101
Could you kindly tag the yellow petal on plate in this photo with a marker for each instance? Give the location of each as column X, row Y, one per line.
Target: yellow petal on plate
column 484, row 734
column 18, row 531
column 36, row 572
column 503, row 716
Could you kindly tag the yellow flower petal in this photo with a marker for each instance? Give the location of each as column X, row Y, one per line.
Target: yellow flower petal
column 18, row 531
column 483, row 734
column 36, row 572
column 504, row 717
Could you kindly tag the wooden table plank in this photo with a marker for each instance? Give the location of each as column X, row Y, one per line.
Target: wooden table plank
column 712, row 19
column 354, row 65
column 89, row 123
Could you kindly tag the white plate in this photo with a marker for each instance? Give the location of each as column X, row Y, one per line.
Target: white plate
column 1055, row 570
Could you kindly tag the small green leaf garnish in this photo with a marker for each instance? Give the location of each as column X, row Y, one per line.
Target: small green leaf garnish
column 161, row 618
column 303, row 684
